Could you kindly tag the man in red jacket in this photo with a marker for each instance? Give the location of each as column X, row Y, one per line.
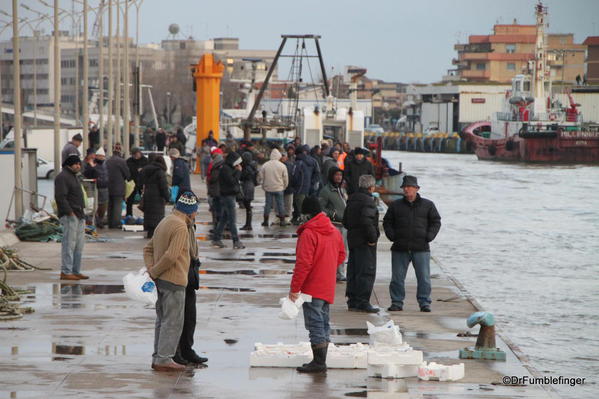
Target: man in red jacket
column 319, row 250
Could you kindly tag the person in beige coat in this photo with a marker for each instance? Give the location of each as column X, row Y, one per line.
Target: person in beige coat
column 167, row 258
column 274, row 180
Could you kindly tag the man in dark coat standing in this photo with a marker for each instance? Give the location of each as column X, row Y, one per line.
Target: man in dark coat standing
column 411, row 223
column 155, row 193
column 68, row 195
column 305, row 179
column 356, row 167
column 135, row 163
column 180, row 171
column 361, row 219
column 160, row 139
column 229, row 187
column 118, row 172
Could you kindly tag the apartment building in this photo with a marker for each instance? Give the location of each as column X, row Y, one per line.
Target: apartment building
column 507, row 52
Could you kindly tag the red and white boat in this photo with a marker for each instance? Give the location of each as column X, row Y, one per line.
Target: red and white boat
column 533, row 127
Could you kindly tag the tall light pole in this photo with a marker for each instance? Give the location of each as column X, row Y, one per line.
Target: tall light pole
column 138, row 108
column 7, row 25
column 126, row 70
column 101, row 73
column 57, row 89
column 109, row 132
column 118, row 73
column 17, row 108
column 86, row 143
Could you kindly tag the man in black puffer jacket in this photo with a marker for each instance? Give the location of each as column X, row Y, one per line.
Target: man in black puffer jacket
column 411, row 223
column 228, row 181
column 356, row 167
column 361, row 219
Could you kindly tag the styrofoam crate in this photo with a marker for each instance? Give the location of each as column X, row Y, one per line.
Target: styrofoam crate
column 411, row 357
column 281, row 355
column 389, row 370
column 133, row 227
column 352, row 356
column 440, row 372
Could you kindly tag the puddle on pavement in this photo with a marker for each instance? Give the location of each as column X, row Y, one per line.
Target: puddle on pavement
column 232, row 289
column 93, row 289
column 349, row 331
column 68, row 349
column 277, row 260
column 233, row 259
column 278, row 254
column 231, row 341
column 246, row 272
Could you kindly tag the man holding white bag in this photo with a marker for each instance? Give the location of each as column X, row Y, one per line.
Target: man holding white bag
column 167, row 258
column 319, row 250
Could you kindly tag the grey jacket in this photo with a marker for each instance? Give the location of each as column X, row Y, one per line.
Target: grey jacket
column 118, row 172
column 333, row 201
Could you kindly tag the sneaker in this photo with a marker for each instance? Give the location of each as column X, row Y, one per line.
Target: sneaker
column 395, row 308
column 425, row 308
column 238, row 245
column 218, row 244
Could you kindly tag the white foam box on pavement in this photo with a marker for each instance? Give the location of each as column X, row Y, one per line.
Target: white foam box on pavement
column 281, row 355
column 440, row 372
column 379, row 356
column 133, row 227
column 389, row 370
column 353, row 356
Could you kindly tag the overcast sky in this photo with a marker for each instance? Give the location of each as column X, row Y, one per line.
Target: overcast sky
column 396, row 40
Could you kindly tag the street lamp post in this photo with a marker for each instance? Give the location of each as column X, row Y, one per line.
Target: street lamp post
column 17, row 108
column 138, row 108
column 126, row 70
column 85, row 104
column 109, row 131
column 57, row 89
column 118, row 73
column 101, row 74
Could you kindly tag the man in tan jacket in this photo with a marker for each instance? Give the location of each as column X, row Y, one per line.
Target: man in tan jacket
column 167, row 258
column 274, row 180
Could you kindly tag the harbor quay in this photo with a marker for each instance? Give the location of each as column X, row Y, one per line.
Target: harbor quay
column 89, row 340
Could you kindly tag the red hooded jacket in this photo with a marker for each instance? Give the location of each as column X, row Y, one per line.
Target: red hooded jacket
column 319, row 251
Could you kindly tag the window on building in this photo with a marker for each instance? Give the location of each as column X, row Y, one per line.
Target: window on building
column 481, row 66
column 67, row 64
column 93, row 62
column 41, row 61
column 42, row 91
column 510, row 48
column 511, row 66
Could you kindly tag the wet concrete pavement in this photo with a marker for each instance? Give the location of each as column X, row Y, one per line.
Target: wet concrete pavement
column 88, row 340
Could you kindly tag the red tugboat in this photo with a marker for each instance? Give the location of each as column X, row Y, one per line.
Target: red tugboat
column 535, row 128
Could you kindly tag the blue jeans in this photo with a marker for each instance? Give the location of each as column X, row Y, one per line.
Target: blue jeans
column 277, row 197
column 73, row 238
column 227, row 216
column 316, row 320
column 399, row 265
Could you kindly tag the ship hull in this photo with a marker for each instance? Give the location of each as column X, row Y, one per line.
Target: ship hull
column 561, row 146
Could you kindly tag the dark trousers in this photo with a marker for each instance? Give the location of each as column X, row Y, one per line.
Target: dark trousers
column 115, row 209
column 298, row 200
column 361, row 272
column 227, row 217
column 189, row 324
column 131, row 201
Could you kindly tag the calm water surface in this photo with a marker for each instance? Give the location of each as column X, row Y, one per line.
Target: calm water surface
column 524, row 240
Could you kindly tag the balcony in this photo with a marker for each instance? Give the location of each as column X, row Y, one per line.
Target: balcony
column 476, row 74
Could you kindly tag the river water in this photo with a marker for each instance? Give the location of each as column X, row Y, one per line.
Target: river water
column 524, row 241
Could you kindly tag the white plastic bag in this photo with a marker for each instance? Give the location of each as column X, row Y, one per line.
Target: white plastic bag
column 387, row 334
column 140, row 287
column 290, row 310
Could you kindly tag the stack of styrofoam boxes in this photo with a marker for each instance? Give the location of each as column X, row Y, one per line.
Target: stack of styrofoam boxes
column 388, row 356
column 439, row 372
column 280, row 355
column 352, row 356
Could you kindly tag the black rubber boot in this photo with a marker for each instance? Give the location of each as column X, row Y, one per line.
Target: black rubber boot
column 319, row 362
column 265, row 223
column 282, row 222
column 248, row 220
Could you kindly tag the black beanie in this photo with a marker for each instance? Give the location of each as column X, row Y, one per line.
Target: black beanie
column 71, row 160
column 311, row 206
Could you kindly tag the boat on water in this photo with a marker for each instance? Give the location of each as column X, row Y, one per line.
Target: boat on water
column 533, row 126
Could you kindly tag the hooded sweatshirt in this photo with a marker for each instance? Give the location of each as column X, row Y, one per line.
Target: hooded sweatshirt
column 273, row 175
column 319, row 251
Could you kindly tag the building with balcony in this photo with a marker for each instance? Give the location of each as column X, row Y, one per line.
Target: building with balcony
column 508, row 51
column 592, row 60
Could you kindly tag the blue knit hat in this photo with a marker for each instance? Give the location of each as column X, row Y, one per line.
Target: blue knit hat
column 187, row 203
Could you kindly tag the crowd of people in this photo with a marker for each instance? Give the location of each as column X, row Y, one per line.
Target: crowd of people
column 328, row 189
